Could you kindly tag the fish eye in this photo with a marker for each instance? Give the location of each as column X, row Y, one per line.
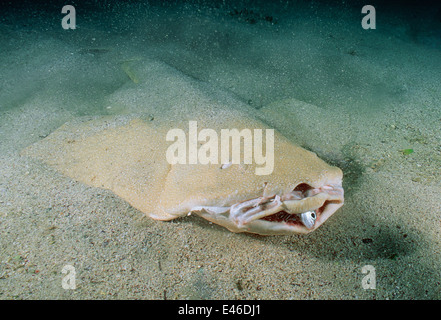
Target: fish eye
column 308, row 219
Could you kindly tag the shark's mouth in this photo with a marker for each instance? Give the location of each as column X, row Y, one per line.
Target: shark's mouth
column 302, row 210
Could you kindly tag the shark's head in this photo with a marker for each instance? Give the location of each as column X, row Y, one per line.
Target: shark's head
column 299, row 195
column 301, row 210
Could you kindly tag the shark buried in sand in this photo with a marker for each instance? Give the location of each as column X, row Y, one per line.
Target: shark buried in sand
column 127, row 155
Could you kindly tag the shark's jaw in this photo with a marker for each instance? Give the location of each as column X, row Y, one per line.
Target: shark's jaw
column 300, row 211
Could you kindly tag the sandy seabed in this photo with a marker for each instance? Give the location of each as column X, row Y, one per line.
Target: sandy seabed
column 358, row 98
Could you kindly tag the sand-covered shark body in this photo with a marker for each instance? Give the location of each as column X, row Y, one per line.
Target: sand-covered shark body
column 126, row 154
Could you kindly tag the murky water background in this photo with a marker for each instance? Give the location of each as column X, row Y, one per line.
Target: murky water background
column 361, row 99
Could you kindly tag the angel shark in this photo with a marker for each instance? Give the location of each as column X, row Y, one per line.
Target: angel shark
column 127, row 155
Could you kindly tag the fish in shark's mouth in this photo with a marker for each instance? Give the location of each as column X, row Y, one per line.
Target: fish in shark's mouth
column 299, row 211
column 307, row 218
